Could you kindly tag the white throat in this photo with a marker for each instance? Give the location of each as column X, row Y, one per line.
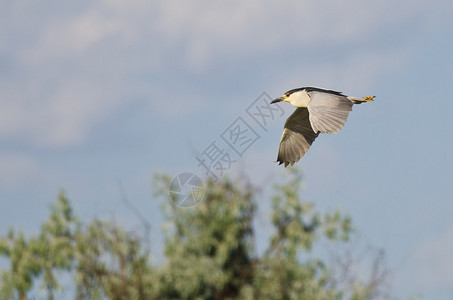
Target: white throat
column 299, row 99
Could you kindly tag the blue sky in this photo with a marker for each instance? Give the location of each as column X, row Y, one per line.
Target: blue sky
column 96, row 92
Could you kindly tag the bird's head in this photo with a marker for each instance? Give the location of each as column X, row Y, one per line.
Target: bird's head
column 283, row 98
column 297, row 97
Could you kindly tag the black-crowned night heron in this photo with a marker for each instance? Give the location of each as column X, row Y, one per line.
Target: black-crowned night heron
column 318, row 111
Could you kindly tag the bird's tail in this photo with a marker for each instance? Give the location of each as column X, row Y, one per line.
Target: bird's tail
column 356, row 100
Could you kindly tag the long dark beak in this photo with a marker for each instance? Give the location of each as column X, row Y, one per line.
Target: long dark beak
column 277, row 100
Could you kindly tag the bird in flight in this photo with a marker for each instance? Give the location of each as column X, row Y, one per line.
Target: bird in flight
column 318, row 111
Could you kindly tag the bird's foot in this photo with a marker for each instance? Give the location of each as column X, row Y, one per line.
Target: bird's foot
column 369, row 98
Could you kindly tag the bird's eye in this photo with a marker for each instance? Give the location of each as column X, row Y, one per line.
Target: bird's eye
column 287, row 94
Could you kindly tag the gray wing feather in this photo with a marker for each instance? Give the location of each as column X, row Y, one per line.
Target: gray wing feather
column 298, row 135
column 328, row 112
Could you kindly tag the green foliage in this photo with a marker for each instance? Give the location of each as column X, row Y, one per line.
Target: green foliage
column 51, row 251
column 55, row 245
column 110, row 263
column 209, row 251
column 283, row 272
column 24, row 265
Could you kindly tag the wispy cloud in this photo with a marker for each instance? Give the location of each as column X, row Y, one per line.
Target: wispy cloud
column 79, row 67
column 68, row 39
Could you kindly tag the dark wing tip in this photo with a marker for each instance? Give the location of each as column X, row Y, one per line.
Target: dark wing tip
column 287, row 162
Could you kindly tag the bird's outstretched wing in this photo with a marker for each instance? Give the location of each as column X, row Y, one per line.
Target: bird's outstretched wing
column 328, row 112
column 297, row 137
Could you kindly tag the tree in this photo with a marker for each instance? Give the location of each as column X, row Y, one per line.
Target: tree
column 51, row 251
column 110, row 263
column 210, row 251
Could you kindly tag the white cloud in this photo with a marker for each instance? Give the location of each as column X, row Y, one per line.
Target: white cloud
column 58, row 118
column 74, row 70
column 69, row 38
column 59, row 88
column 71, row 113
column 211, row 30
